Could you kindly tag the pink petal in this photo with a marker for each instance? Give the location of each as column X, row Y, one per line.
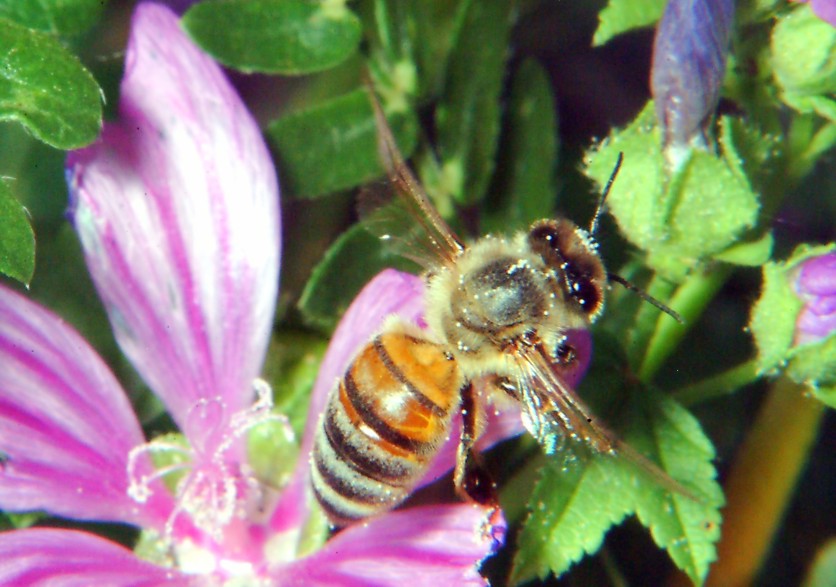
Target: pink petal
column 389, row 293
column 177, row 210
column 66, row 426
column 41, row 557
column 421, row 547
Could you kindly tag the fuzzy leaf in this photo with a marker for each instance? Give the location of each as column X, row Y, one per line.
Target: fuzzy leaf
column 679, row 220
column 526, row 165
column 66, row 17
column 17, row 241
column 468, row 114
column 289, row 37
column 45, row 88
column 333, row 145
column 621, row 16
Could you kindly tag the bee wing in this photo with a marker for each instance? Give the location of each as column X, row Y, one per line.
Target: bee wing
column 551, row 407
column 409, row 219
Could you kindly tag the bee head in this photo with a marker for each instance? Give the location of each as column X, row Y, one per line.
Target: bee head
column 572, row 254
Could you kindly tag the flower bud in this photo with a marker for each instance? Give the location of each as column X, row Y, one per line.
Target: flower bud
column 689, row 62
column 814, row 280
column 794, row 321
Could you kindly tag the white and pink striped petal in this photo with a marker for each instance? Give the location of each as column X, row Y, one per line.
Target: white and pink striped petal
column 66, row 426
column 177, row 210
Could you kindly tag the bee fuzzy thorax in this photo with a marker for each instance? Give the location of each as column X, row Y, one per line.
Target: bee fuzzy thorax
column 496, row 293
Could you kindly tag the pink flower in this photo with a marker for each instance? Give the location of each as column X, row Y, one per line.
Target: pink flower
column 177, row 210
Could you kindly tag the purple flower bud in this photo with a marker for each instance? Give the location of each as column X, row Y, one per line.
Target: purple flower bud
column 689, row 61
column 814, row 281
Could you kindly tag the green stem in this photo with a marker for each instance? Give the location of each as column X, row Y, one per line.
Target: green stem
column 762, row 481
column 689, row 300
column 717, row 386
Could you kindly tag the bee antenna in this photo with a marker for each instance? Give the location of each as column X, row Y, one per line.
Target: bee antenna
column 593, row 226
column 645, row 296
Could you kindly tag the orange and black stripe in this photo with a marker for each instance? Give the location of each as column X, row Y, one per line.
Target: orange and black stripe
column 382, row 426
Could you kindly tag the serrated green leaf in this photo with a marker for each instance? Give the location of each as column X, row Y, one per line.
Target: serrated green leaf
column 687, row 529
column 45, row 88
column 349, row 264
column 289, row 37
column 17, row 241
column 468, row 114
column 584, row 494
column 65, row 17
column 677, row 219
column 572, row 508
column 621, row 16
column 527, row 163
column 333, row 146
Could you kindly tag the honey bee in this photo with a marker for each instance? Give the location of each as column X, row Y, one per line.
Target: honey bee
column 497, row 312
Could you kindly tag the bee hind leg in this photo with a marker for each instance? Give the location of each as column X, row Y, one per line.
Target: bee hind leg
column 472, row 480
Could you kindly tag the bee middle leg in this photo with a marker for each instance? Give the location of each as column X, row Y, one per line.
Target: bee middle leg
column 472, row 480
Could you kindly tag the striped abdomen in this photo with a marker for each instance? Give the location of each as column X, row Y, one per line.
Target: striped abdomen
column 383, row 424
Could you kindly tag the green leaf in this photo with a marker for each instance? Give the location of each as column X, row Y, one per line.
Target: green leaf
column 621, row 16
column 333, row 145
column 572, row 508
column 64, row 17
column 17, row 241
column 686, row 529
column 418, row 32
column 582, row 494
column 45, row 88
column 468, row 114
column 526, row 163
column 349, row 264
column 289, row 37
column 678, row 219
